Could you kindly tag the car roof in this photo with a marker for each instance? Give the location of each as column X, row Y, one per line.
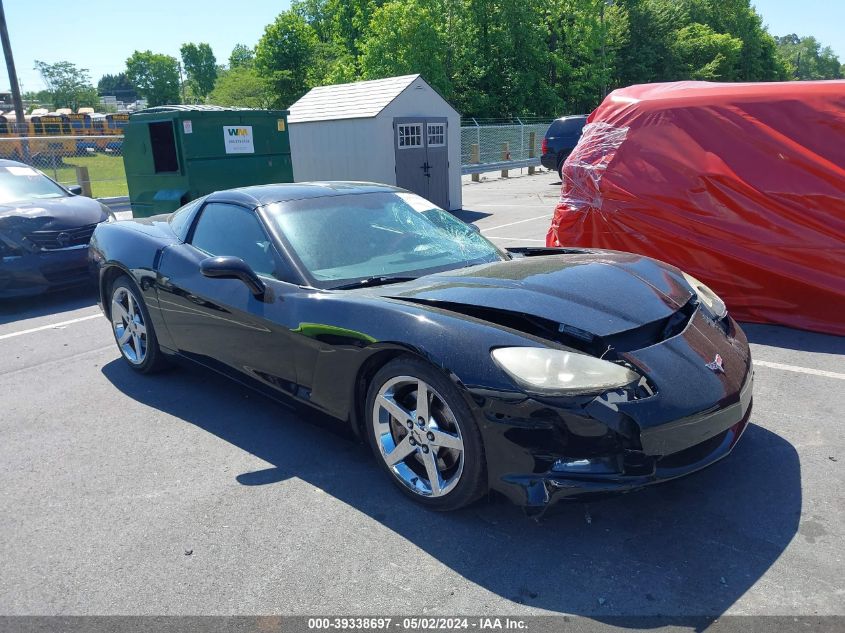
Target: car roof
column 260, row 195
column 11, row 163
column 569, row 117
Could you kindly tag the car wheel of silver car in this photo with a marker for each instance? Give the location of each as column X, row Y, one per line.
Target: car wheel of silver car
column 424, row 435
column 132, row 328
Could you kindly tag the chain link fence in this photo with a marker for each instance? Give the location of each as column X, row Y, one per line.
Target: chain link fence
column 491, row 144
column 94, row 162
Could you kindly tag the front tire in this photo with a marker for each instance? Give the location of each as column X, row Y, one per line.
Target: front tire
column 133, row 329
column 424, row 435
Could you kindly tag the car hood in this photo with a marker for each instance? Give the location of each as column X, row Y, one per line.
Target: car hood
column 601, row 292
column 52, row 214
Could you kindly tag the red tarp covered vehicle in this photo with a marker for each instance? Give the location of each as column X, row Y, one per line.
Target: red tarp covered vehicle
column 741, row 185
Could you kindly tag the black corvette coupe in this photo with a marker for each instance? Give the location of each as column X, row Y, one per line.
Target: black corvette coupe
column 539, row 373
column 44, row 232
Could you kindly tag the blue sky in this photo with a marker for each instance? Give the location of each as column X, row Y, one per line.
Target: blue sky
column 101, row 34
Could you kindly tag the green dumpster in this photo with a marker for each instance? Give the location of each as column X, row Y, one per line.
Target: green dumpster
column 174, row 154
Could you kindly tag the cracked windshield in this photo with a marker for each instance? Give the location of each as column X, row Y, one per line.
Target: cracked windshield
column 393, row 233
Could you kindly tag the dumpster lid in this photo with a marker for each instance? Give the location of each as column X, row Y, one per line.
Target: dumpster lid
column 197, row 108
column 169, row 194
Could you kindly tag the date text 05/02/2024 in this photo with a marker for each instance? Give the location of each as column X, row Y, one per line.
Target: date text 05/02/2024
column 417, row 624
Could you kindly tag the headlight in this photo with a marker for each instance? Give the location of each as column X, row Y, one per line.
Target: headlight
column 556, row 372
column 111, row 217
column 709, row 298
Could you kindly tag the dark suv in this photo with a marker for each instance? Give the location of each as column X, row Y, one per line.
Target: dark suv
column 561, row 138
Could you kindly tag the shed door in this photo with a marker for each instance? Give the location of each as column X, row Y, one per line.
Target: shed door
column 422, row 157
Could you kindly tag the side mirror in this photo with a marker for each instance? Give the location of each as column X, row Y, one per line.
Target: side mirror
column 228, row 267
column 75, row 189
column 474, row 227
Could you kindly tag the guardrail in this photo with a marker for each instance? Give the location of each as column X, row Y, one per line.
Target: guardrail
column 505, row 165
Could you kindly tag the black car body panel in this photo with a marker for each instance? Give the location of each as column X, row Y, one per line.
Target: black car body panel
column 561, row 138
column 321, row 346
column 44, row 243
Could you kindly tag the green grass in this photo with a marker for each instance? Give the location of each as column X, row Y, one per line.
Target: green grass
column 106, row 172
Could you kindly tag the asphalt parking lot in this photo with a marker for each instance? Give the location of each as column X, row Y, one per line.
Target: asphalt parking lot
column 184, row 493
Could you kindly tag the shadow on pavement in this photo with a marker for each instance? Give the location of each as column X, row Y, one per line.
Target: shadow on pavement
column 18, row 309
column 468, row 216
column 789, row 338
column 688, row 548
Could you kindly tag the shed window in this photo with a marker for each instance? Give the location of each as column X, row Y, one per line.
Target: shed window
column 164, row 147
column 410, row 135
column 436, row 134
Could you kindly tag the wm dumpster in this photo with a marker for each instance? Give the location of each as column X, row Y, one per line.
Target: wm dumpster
column 174, row 154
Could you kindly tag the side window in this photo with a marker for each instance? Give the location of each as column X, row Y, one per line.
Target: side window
column 180, row 220
column 226, row 229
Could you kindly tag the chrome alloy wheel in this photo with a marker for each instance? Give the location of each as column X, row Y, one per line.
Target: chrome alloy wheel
column 129, row 327
column 418, row 436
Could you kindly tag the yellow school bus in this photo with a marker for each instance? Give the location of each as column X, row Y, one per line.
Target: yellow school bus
column 11, row 146
column 51, row 136
column 111, row 125
column 82, row 125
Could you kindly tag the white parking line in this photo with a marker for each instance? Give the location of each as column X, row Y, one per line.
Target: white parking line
column 547, row 216
column 52, row 326
column 800, row 370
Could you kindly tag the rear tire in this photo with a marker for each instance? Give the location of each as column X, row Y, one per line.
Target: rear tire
column 435, row 457
column 132, row 328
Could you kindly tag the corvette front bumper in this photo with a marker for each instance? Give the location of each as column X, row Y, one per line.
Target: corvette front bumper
column 637, row 471
column 541, row 451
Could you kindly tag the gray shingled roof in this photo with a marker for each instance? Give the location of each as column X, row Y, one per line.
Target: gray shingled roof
column 359, row 100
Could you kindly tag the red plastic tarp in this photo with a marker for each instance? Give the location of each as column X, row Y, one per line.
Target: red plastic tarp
column 740, row 185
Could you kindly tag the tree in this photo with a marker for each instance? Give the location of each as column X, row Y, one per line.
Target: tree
column 758, row 60
column 242, row 56
column 805, row 58
column 118, row 86
column 701, row 53
column 284, row 55
column 155, row 76
column 240, row 87
column 36, row 99
column 347, row 22
column 200, row 66
column 585, row 39
column 405, row 37
column 499, row 58
column 645, row 55
column 69, row 86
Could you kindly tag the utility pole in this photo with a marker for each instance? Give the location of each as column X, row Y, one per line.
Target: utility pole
column 181, row 80
column 10, row 66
